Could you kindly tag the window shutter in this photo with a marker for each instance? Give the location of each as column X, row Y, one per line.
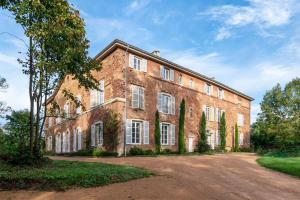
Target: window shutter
column 131, row 60
column 222, row 94
column 241, row 139
column 135, row 96
column 128, row 131
column 92, row 98
column 144, row 65
column 172, row 134
column 171, row 75
column 204, row 108
column 93, row 135
column 79, row 139
column 69, row 141
column 101, row 85
column 146, row 132
column 172, row 105
column 205, row 88
column 162, row 71
column 212, row 113
column 141, row 97
column 101, row 134
column 159, row 101
column 216, row 114
column 74, row 140
column 211, row 90
column 160, row 133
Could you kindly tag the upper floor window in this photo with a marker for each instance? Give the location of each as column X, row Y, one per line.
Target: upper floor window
column 240, row 119
column 207, row 113
column 97, row 96
column 50, row 122
column 191, row 83
column 137, row 63
column 137, row 131
column 137, row 97
column 97, row 134
column 166, row 73
column 78, row 99
column 166, row 103
column 67, row 110
column 58, row 117
column 49, row 143
column 180, row 81
column 208, row 89
column 220, row 93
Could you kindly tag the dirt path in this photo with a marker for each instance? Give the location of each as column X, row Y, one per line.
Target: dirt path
column 231, row 176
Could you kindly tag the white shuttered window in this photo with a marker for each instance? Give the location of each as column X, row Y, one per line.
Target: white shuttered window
column 166, row 103
column 137, row 132
column 137, row 97
column 137, row 63
column 97, row 96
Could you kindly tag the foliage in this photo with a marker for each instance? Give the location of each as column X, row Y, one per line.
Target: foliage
column 181, row 143
column 278, row 124
column 52, row 54
column 288, row 165
column 236, row 138
column 62, row 175
column 3, row 86
column 157, row 133
column 136, row 151
column 223, row 131
column 15, row 141
column 111, row 124
column 203, row 146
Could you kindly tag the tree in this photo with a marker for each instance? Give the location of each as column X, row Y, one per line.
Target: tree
column 57, row 48
column 223, row 131
column 157, row 132
column 202, row 144
column 3, row 86
column 236, row 138
column 16, row 138
column 111, row 130
column 181, row 143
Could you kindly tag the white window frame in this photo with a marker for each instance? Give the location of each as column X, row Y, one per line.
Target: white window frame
column 134, row 133
column 241, row 138
column 166, row 73
column 180, row 80
column 191, row 83
column 168, row 126
column 207, row 113
column 220, row 93
column 166, row 103
column 97, row 97
column 240, row 117
column 208, row 89
column 138, row 99
column 97, row 138
column 137, row 63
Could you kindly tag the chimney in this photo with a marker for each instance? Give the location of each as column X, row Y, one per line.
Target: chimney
column 156, row 53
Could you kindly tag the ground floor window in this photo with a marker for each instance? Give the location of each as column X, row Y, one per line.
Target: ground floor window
column 164, row 136
column 58, row 143
column 136, row 130
column 49, row 143
column 241, row 138
column 77, row 139
column 97, row 134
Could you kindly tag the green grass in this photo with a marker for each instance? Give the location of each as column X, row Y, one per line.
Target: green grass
column 288, row 165
column 62, row 175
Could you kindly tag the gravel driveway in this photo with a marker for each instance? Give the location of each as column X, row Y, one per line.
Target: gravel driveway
column 230, row 176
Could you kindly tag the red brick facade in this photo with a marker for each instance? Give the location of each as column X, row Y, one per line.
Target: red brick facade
column 115, row 60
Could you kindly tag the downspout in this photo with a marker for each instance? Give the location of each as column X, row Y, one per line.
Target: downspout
column 125, row 113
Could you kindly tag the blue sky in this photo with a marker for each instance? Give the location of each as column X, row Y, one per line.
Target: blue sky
column 249, row 45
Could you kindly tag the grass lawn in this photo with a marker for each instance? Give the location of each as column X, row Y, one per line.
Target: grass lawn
column 288, row 165
column 61, row 175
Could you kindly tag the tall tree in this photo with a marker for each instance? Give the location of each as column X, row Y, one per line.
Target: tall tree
column 236, row 138
column 202, row 128
column 57, row 48
column 157, row 132
column 181, row 143
column 223, row 131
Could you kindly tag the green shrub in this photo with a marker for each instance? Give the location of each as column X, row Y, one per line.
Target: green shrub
column 136, row 151
column 149, row 152
column 168, row 151
column 203, row 147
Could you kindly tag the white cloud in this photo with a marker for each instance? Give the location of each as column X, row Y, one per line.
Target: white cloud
column 223, row 33
column 261, row 13
column 8, row 60
column 136, row 5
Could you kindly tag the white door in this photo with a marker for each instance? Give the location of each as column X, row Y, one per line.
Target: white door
column 191, row 146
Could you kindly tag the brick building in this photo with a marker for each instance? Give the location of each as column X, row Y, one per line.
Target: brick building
column 136, row 83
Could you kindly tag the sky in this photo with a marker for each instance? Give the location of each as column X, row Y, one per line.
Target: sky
column 249, row 45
